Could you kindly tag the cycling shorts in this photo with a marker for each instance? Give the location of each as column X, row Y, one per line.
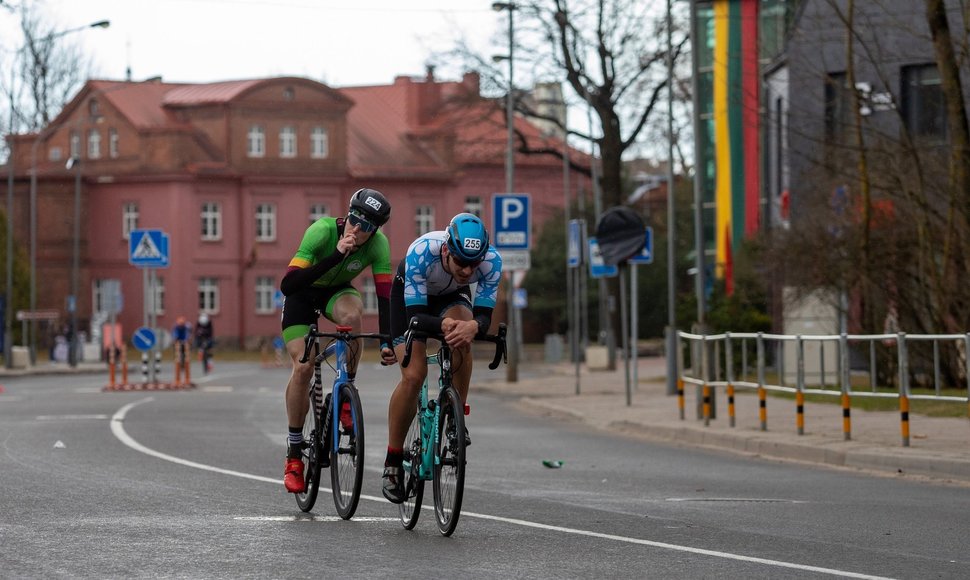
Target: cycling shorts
column 302, row 309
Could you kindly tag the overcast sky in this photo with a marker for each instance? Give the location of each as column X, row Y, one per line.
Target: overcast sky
column 340, row 42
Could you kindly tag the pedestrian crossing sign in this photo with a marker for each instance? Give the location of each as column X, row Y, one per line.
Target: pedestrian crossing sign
column 148, row 248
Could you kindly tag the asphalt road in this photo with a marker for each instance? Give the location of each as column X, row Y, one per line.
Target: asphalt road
column 188, row 484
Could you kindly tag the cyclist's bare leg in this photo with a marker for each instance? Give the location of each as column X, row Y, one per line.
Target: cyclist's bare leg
column 404, row 399
column 297, row 401
column 462, row 357
column 347, row 311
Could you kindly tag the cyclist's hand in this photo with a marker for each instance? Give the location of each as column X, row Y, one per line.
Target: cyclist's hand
column 388, row 357
column 461, row 333
column 346, row 244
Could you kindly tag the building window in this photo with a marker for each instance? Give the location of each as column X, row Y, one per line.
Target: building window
column 113, row 143
column 256, row 142
column 317, row 211
column 264, row 295
column 129, row 219
column 319, row 143
column 288, row 142
column 423, row 219
column 369, row 295
column 75, row 145
column 266, row 222
column 93, row 109
column 924, row 105
column 208, row 295
column 159, row 295
column 837, row 106
column 94, row 144
column 54, row 154
column 473, row 205
column 98, row 296
column 289, row 94
column 211, row 221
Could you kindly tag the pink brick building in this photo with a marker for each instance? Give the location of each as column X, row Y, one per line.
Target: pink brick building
column 234, row 172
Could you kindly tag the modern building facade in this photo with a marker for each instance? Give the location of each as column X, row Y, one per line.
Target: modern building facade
column 233, row 172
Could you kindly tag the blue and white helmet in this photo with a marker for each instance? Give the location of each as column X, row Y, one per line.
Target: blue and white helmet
column 467, row 238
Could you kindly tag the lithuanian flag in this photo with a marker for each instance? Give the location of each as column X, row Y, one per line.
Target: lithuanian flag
column 736, row 128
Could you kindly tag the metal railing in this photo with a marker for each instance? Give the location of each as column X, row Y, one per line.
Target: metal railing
column 823, row 365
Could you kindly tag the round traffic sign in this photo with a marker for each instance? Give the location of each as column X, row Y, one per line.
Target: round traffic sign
column 143, row 339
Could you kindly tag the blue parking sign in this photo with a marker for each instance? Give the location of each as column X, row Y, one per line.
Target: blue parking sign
column 512, row 221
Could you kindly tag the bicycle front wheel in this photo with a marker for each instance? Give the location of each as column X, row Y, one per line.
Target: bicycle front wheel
column 449, row 468
column 413, row 484
column 312, row 452
column 347, row 461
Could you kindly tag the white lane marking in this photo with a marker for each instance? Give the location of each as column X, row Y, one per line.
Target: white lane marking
column 68, row 417
column 218, row 389
column 312, row 519
column 117, row 428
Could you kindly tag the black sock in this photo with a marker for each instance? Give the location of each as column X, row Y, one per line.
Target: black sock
column 295, row 439
column 395, row 457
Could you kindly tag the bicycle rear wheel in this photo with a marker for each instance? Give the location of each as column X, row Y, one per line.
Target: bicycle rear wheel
column 449, row 468
column 413, row 484
column 347, row 465
column 312, row 451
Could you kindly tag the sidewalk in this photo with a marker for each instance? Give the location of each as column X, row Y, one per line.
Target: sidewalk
column 939, row 447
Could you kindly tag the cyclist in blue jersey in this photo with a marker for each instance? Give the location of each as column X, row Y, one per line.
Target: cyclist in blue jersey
column 433, row 282
column 181, row 333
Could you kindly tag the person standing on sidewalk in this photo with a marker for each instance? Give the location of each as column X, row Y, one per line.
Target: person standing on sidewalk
column 332, row 253
column 433, row 282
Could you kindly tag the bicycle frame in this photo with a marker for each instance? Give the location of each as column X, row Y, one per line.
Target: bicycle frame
column 338, row 347
column 430, row 418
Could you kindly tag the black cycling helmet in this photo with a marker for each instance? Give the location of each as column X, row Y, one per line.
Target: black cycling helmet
column 467, row 238
column 371, row 205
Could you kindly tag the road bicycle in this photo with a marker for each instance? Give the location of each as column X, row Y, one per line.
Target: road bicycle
column 333, row 434
column 434, row 448
column 205, row 355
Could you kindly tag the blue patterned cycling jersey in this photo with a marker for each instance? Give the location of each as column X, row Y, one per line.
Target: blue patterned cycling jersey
column 425, row 276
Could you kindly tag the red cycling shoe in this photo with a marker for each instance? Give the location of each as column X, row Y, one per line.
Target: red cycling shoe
column 293, row 476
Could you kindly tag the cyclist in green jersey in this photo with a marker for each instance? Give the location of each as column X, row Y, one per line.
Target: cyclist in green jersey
column 333, row 252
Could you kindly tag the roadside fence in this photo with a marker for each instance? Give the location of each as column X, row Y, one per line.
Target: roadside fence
column 898, row 366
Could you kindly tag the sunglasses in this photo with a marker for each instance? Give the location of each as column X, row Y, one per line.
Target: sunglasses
column 464, row 264
column 357, row 220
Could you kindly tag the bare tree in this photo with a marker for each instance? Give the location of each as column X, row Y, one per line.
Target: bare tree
column 46, row 69
column 901, row 241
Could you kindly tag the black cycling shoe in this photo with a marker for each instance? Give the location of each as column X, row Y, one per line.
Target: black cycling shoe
column 468, row 438
column 393, row 488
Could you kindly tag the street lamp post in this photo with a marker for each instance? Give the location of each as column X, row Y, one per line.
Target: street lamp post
column 33, row 200
column 512, row 369
column 671, row 222
column 75, row 163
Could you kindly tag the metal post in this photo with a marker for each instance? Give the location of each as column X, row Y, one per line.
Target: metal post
column 625, row 341
column 671, row 260
column 76, row 262
column 634, row 330
column 8, row 315
column 698, row 197
column 512, row 369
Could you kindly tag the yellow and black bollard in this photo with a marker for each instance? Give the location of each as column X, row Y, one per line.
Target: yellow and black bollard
column 846, row 417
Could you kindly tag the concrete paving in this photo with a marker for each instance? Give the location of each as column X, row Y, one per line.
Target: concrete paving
column 939, row 448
